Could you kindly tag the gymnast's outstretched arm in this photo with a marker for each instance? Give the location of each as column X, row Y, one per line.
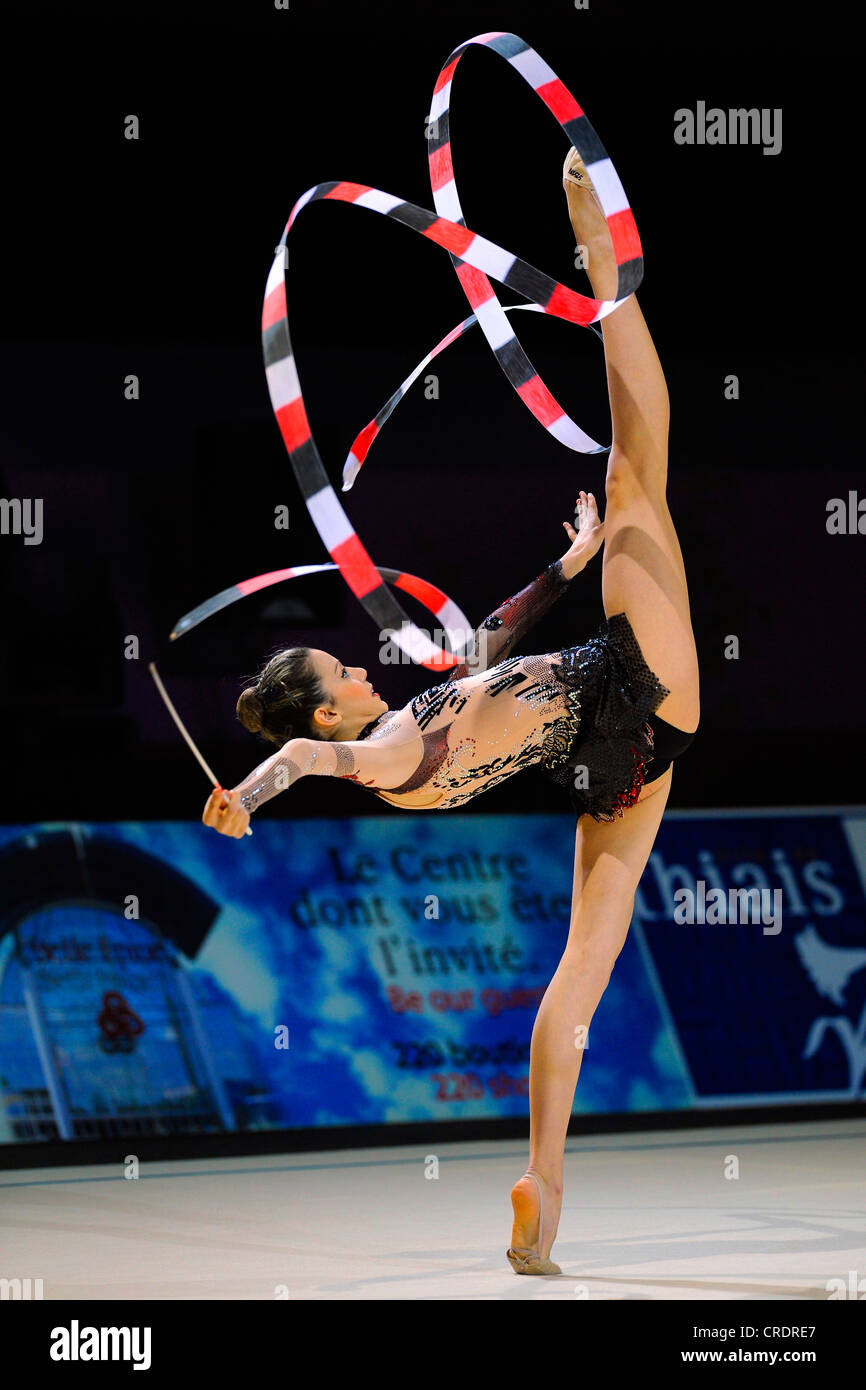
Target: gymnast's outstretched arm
column 387, row 761
column 499, row 634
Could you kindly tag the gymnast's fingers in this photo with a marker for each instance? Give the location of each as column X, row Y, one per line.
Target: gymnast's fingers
column 236, row 823
column 224, row 813
column 236, row 818
column 217, row 799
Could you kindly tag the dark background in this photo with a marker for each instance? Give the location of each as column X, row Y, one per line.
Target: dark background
column 150, row 257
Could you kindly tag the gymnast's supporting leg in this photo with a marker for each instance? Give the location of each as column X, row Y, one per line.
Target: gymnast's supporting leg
column 643, row 575
column 609, row 859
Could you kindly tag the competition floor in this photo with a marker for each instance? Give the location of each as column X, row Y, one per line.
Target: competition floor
column 645, row 1216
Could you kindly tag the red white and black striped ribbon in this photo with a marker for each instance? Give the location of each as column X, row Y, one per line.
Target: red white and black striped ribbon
column 362, row 443
column 453, row 622
column 474, row 258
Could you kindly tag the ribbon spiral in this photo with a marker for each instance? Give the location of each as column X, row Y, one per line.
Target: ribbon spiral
column 474, row 259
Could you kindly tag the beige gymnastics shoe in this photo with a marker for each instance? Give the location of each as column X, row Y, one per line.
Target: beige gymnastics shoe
column 523, row 1202
column 574, row 171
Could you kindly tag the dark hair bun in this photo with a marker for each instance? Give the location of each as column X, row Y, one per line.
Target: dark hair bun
column 283, row 696
column 250, row 711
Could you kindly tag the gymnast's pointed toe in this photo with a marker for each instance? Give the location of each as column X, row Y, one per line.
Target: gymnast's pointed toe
column 574, row 171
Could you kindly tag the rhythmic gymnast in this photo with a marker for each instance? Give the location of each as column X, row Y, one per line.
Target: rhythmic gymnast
column 604, row 719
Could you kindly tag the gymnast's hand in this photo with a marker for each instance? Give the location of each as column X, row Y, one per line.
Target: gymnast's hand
column 224, row 812
column 587, row 539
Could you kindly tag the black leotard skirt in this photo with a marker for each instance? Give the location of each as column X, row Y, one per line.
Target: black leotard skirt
column 617, row 745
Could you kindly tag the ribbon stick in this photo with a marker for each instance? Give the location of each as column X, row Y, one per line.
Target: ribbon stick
column 180, row 724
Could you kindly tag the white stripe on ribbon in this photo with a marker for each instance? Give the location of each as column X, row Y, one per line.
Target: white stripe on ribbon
column 608, row 187
column 283, row 382
column 441, row 101
column 494, row 323
column 329, row 518
column 276, row 274
column 532, row 68
column 571, row 435
column 378, row 201
column 454, row 623
column 415, row 643
column 499, row 261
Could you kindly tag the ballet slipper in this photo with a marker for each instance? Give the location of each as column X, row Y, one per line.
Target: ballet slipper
column 574, row 171
column 522, row 1260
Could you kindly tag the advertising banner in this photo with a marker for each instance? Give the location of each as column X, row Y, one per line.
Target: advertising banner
column 157, row 978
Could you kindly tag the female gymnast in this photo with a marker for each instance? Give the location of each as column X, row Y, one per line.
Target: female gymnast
column 604, row 720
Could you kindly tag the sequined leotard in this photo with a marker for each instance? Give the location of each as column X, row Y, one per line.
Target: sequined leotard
column 581, row 714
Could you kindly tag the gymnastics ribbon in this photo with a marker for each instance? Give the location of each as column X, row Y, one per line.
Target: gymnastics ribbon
column 453, row 620
column 363, row 441
column 473, row 258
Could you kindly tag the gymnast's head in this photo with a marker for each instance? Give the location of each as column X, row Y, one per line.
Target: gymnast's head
column 301, row 692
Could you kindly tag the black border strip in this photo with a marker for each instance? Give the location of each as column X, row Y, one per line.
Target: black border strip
column 73, row 1153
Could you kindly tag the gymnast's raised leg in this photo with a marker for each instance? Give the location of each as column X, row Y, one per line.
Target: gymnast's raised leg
column 644, row 577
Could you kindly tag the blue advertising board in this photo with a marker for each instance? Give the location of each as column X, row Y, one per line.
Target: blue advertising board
column 157, row 978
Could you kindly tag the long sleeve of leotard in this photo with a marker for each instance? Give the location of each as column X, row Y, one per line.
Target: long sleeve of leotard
column 385, row 762
column 499, row 634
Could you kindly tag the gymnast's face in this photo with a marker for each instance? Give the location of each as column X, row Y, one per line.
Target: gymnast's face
column 353, row 701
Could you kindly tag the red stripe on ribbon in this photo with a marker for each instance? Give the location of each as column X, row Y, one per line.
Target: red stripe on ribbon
column 426, row 593
column 446, row 74
column 476, row 284
column 362, row 444
column 274, row 307
column 261, row 581
column 441, row 168
column 293, row 423
column 559, row 101
column 568, row 304
column 624, row 235
column 449, row 235
column 356, row 566
column 450, row 337
column 348, row 192
column 535, row 394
